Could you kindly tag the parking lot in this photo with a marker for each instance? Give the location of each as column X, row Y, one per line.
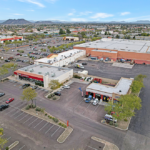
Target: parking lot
column 72, row 100
column 14, row 112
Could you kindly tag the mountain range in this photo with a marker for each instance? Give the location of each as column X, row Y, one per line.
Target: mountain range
column 23, row 21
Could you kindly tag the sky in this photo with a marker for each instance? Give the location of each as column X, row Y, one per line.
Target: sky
column 76, row 10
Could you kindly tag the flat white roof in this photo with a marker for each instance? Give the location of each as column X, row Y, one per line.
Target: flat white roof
column 45, row 69
column 105, row 51
column 60, row 56
column 121, row 88
column 138, row 46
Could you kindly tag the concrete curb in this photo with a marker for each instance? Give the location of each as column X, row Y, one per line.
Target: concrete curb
column 108, row 145
column 64, row 136
column 13, row 145
column 48, row 120
column 116, row 127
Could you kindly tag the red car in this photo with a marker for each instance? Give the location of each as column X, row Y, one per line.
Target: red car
column 18, row 54
column 9, row 100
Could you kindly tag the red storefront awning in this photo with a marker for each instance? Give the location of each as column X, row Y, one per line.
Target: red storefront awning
column 29, row 75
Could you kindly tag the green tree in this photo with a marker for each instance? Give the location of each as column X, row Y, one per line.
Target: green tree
column 126, row 106
column 136, row 86
column 54, row 84
column 68, row 31
column 117, row 36
column 29, row 94
column 3, row 141
column 140, row 77
column 61, row 31
column 105, row 33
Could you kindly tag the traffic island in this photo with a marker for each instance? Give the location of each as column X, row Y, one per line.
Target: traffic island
column 42, row 114
column 108, row 146
column 121, row 125
column 62, row 138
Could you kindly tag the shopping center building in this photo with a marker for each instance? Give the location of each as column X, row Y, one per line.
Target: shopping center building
column 135, row 50
column 10, row 38
column 62, row 59
column 107, row 93
column 42, row 74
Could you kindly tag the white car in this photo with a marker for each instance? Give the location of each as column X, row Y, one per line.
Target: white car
column 110, row 118
column 12, row 50
column 66, row 87
column 95, row 102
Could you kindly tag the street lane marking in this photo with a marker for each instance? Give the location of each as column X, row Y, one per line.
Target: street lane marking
column 38, row 124
column 28, row 119
column 33, row 121
column 43, row 126
column 23, row 117
column 55, row 131
column 49, row 129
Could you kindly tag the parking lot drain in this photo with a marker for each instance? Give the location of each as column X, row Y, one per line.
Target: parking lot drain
column 13, row 145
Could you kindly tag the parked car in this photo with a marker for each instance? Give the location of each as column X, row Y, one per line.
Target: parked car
column 25, row 86
column 2, row 107
column 2, row 94
column 7, row 60
column 57, row 93
column 110, row 118
column 84, row 63
column 66, row 87
column 17, row 54
column 25, row 55
column 88, row 99
column 95, row 102
column 34, row 87
column 18, row 60
column 12, row 50
column 9, row 100
column 10, row 58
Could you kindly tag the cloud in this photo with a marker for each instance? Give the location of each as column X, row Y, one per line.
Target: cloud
column 33, row 2
column 17, row 14
column 85, row 13
column 30, row 10
column 102, row 15
column 78, row 19
column 125, row 13
column 72, row 13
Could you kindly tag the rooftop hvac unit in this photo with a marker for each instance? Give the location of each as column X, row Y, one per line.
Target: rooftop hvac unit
column 39, row 72
column 31, row 70
column 53, row 75
column 26, row 69
column 41, row 66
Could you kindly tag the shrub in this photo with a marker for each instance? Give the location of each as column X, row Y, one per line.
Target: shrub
column 125, row 120
column 42, row 110
column 111, row 123
column 50, row 117
column 45, row 114
column 116, row 125
column 38, row 109
column 27, row 107
column 55, row 120
column 7, row 148
column 63, row 125
column 54, row 98
column 76, row 76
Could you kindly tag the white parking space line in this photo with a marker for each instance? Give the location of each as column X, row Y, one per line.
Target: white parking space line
column 21, row 147
column 15, row 113
column 55, row 131
column 10, row 111
column 2, row 135
column 77, row 105
column 95, row 109
column 6, row 140
column 86, row 108
column 23, row 117
column 18, row 115
column 49, row 129
column 43, row 126
column 91, row 147
column 38, row 123
column 28, row 119
column 33, row 121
